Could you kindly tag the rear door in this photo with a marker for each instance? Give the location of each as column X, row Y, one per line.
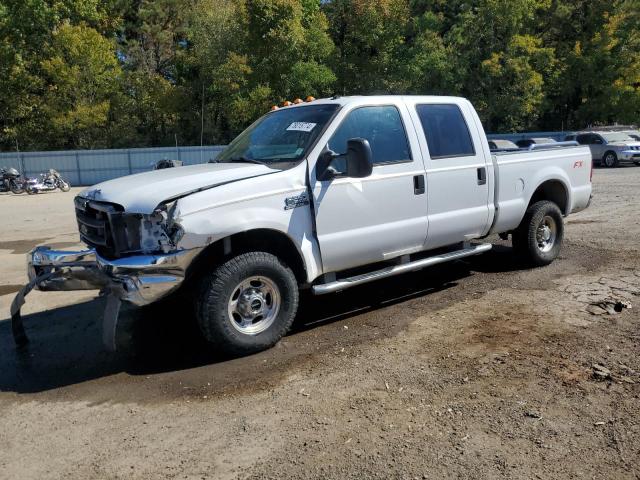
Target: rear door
column 458, row 177
column 365, row 220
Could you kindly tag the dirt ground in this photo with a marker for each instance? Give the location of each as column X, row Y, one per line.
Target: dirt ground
column 478, row 369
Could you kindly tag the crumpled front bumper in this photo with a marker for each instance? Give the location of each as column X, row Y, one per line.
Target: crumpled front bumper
column 138, row 279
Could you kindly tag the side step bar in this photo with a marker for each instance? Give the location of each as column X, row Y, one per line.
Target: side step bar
column 345, row 283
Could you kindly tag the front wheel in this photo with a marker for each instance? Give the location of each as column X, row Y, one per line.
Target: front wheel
column 538, row 238
column 16, row 188
column 610, row 160
column 64, row 186
column 247, row 304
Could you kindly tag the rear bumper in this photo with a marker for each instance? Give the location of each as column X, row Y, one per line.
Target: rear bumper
column 138, row 279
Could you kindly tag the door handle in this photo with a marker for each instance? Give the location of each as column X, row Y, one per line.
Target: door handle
column 418, row 184
column 482, row 176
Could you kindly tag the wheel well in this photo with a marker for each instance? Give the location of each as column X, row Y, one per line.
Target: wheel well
column 262, row 240
column 553, row 191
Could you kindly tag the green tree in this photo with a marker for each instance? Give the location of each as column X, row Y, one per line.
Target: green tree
column 503, row 66
column 370, row 39
column 287, row 47
column 81, row 76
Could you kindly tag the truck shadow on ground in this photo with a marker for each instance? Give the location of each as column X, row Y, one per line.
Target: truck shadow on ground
column 66, row 348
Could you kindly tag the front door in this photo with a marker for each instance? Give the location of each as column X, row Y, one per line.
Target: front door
column 459, row 180
column 364, row 220
column 596, row 144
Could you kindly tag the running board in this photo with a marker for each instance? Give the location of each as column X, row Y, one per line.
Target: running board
column 345, row 283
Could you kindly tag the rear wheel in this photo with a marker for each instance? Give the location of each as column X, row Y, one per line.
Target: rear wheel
column 247, row 304
column 538, row 238
column 610, row 160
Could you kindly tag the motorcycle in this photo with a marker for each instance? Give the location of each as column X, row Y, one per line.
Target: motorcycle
column 47, row 182
column 11, row 180
column 165, row 163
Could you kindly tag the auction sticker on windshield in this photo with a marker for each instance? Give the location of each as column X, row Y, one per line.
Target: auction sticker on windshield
column 301, row 127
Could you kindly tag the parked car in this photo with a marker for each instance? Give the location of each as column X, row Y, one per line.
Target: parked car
column 527, row 142
column 609, row 148
column 323, row 195
column 498, row 144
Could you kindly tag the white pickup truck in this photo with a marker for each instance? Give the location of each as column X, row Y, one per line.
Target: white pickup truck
column 326, row 195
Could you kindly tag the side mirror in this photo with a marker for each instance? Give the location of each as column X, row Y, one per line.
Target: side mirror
column 358, row 159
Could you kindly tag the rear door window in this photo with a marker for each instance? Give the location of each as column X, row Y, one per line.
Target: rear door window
column 446, row 131
column 584, row 139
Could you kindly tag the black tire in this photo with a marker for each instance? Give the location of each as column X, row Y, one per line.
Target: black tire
column 530, row 240
column 15, row 188
column 610, row 159
column 64, row 186
column 221, row 328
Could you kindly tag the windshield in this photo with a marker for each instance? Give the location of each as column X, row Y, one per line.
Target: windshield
column 281, row 136
column 617, row 137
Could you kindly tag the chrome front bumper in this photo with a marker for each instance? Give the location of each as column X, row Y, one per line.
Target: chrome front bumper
column 138, row 279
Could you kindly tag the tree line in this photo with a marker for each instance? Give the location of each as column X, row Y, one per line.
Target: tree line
column 126, row 73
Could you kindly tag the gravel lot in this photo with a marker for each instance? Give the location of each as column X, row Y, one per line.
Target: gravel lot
column 478, row 369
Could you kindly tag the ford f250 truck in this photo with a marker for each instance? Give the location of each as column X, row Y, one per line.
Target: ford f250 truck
column 326, row 195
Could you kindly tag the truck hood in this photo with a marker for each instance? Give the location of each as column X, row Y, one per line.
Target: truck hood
column 143, row 192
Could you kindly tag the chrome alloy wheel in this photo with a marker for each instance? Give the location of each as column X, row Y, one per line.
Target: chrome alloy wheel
column 254, row 305
column 610, row 160
column 546, row 234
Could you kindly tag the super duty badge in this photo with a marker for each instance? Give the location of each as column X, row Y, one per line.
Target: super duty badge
column 297, row 201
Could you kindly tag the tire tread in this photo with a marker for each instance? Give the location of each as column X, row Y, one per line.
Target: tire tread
column 211, row 295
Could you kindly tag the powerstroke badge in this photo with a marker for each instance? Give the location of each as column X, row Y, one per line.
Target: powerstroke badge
column 297, row 201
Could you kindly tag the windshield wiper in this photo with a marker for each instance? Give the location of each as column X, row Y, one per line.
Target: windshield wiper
column 244, row 160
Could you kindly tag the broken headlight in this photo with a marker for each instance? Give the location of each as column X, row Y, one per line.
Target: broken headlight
column 141, row 233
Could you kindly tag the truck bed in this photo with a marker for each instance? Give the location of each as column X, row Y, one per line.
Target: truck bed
column 519, row 173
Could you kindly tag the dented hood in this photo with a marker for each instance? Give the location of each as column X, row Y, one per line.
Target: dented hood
column 143, row 192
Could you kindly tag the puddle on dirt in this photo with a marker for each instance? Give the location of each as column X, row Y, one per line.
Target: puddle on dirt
column 9, row 289
column 25, row 246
